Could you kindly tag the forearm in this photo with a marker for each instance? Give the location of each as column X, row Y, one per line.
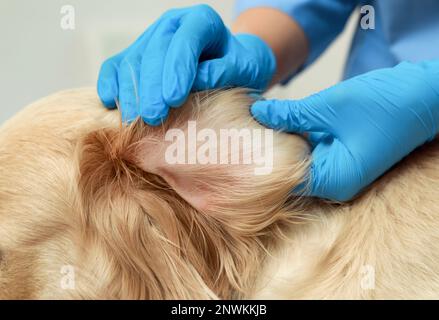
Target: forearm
column 281, row 33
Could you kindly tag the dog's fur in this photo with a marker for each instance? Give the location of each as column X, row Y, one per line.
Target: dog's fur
column 79, row 192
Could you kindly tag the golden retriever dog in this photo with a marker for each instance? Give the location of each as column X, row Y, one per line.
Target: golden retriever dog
column 89, row 209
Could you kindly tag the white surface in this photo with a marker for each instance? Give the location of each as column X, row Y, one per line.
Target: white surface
column 39, row 58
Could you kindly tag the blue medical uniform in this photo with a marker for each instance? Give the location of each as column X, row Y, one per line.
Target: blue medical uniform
column 405, row 30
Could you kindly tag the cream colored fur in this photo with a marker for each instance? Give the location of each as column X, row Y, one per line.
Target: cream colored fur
column 75, row 192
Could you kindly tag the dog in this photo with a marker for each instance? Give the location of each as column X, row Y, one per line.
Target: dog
column 90, row 209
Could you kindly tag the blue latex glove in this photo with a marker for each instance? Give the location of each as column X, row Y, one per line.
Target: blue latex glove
column 361, row 127
column 186, row 49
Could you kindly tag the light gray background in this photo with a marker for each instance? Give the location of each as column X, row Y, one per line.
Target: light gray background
column 38, row 57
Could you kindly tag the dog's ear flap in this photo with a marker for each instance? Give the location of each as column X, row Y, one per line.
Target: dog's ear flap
column 236, row 192
column 229, row 189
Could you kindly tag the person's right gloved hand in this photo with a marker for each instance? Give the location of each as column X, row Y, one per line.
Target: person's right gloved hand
column 186, row 49
column 360, row 127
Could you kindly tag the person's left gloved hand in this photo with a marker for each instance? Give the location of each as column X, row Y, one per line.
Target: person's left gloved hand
column 362, row 126
column 186, row 49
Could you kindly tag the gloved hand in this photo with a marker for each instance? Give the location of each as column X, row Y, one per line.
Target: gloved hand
column 361, row 127
column 186, row 49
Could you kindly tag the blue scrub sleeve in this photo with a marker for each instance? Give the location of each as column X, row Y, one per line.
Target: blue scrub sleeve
column 321, row 20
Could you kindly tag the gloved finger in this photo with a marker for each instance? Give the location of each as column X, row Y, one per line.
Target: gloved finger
column 299, row 116
column 108, row 80
column 213, row 74
column 199, row 29
column 153, row 108
column 334, row 173
column 312, row 185
column 108, row 88
column 316, row 137
column 222, row 72
column 128, row 78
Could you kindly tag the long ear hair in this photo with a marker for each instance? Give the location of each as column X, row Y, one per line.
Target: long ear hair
column 156, row 245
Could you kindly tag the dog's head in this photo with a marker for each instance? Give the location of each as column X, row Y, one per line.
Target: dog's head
column 91, row 209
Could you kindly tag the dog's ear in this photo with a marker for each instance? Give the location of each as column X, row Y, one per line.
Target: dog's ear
column 202, row 185
column 184, row 228
column 235, row 187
